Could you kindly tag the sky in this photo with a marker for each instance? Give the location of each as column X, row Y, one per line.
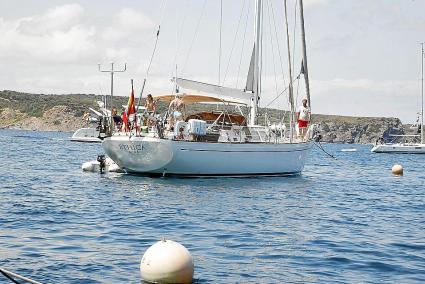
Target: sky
column 363, row 55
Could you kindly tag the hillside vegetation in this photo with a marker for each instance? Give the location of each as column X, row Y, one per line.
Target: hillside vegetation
column 64, row 113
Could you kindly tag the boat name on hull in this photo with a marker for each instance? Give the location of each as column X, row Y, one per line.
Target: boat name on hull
column 132, row 148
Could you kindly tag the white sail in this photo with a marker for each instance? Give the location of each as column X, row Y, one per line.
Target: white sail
column 224, row 92
column 250, row 78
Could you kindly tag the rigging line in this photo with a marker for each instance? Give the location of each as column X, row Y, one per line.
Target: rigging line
column 9, row 277
column 262, row 55
column 149, row 66
column 280, row 54
column 243, row 45
column 219, row 52
column 195, row 35
column 234, row 41
column 272, row 48
column 291, row 94
column 324, row 151
column 157, row 37
column 179, row 36
column 298, row 88
column 338, row 161
column 278, row 45
column 152, row 55
column 294, row 42
column 281, row 93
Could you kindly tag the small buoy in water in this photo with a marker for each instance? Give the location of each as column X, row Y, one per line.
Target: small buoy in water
column 349, row 150
column 167, row 262
column 397, row 170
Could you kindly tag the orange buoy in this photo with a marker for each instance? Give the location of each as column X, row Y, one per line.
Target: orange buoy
column 397, row 170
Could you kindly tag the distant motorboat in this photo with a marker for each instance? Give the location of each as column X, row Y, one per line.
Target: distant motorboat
column 87, row 134
column 402, row 148
column 91, row 132
column 406, row 147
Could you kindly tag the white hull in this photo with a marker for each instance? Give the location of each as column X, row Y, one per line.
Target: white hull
column 86, row 134
column 400, row 148
column 149, row 155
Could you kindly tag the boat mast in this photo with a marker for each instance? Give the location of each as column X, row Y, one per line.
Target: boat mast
column 307, row 82
column 422, row 94
column 257, row 62
column 291, row 94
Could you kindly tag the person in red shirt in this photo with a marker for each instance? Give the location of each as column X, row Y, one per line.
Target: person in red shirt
column 303, row 118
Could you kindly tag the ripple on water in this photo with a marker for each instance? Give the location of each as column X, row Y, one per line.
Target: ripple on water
column 344, row 221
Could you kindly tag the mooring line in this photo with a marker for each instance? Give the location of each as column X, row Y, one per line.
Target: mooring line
column 8, row 274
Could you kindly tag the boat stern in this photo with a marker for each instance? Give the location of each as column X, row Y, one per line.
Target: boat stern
column 138, row 154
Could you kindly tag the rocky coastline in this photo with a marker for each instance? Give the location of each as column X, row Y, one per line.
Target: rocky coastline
column 65, row 113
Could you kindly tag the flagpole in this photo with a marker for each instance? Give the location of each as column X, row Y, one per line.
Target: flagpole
column 132, row 92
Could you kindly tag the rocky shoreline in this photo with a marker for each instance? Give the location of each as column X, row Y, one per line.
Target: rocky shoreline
column 359, row 130
column 65, row 113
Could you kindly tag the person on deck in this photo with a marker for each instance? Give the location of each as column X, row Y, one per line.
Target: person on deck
column 176, row 110
column 303, row 118
column 150, row 106
column 117, row 119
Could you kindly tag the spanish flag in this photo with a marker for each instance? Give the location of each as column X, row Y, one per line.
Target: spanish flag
column 130, row 109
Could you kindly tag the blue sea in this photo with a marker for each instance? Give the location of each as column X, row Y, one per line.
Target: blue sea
column 344, row 220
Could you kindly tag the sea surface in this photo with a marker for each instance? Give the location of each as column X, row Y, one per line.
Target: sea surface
column 344, row 220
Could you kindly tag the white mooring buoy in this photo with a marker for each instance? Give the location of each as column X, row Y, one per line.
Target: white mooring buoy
column 397, row 170
column 167, row 262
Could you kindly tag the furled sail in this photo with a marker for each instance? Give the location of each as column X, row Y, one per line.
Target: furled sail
column 250, row 79
column 224, row 92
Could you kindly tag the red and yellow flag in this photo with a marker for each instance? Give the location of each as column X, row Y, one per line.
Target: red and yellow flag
column 130, row 109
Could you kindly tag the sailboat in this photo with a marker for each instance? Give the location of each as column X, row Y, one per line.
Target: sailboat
column 408, row 148
column 212, row 143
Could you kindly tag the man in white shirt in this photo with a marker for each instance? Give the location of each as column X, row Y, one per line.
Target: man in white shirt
column 303, row 117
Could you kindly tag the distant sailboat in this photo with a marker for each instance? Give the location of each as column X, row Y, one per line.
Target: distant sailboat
column 408, row 148
column 217, row 143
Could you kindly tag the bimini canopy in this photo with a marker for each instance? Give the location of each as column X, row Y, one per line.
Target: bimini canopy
column 215, row 91
column 198, row 98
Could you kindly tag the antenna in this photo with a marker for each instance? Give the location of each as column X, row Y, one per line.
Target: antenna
column 112, row 71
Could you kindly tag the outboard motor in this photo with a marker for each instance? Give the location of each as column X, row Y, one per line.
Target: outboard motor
column 102, row 163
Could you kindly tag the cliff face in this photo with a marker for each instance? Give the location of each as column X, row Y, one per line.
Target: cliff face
column 64, row 113
column 58, row 118
column 46, row 112
column 343, row 129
